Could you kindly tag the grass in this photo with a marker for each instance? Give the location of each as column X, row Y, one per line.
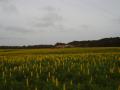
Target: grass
column 58, row 51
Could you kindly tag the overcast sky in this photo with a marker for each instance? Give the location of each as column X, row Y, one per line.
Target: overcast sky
column 24, row 22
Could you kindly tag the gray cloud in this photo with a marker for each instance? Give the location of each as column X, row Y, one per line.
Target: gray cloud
column 84, row 26
column 51, row 9
column 4, row 1
column 116, row 21
column 13, row 41
column 51, row 19
column 7, row 38
column 7, row 6
column 15, row 29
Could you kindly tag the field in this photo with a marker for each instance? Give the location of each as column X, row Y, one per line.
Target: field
column 60, row 69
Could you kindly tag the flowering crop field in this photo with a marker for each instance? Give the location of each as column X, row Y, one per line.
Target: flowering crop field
column 60, row 69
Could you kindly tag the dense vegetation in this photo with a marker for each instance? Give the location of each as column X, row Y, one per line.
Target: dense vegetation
column 106, row 42
column 60, row 69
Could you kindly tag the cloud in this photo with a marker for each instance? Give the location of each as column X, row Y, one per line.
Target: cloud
column 4, row 0
column 13, row 41
column 50, row 20
column 8, row 38
column 85, row 26
column 50, row 9
column 7, row 6
column 117, row 20
column 17, row 29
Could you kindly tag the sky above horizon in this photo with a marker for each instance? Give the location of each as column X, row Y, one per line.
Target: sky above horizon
column 29, row 22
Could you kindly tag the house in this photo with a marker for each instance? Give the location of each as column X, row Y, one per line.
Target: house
column 62, row 45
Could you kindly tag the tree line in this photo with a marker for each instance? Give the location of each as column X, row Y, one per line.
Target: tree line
column 105, row 42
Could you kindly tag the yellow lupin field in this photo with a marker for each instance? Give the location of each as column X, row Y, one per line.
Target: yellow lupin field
column 60, row 70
